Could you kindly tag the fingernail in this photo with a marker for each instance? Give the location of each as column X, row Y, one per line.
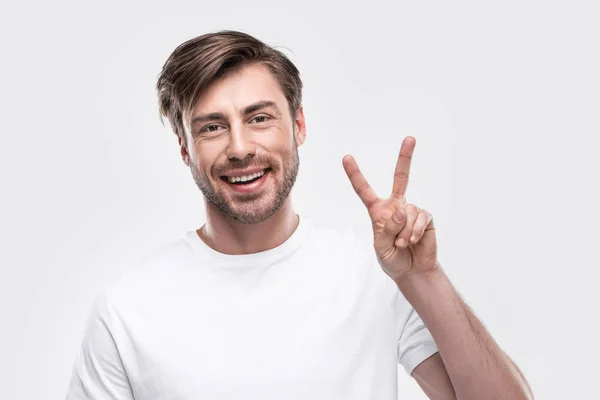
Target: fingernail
column 402, row 242
column 413, row 239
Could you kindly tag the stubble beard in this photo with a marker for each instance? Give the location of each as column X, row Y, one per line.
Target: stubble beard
column 249, row 211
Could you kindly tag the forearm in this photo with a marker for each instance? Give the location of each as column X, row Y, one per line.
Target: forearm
column 477, row 366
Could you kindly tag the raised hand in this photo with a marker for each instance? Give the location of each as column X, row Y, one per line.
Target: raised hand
column 404, row 235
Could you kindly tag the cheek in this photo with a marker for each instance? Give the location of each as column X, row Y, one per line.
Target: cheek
column 279, row 143
column 206, row 154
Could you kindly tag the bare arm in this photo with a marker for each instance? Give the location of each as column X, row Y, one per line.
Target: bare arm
column 475, row 365
column 433, row 378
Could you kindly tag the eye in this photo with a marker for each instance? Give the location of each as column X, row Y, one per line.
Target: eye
column 260, row 119
column 210, row 128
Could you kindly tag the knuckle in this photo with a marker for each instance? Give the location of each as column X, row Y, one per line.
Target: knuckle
column 362, row 188
column 412, row 208
column 401, row 175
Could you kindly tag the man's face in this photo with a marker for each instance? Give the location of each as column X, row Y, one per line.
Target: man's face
column 241, row 128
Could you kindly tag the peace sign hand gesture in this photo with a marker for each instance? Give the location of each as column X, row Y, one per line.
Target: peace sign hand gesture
column 404, row 235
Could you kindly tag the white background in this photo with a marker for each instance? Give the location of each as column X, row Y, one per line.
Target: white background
column 503, row 98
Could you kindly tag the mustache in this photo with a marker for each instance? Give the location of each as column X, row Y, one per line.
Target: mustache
column 262, row 162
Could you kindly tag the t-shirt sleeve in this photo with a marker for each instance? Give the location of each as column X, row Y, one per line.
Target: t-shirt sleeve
column 415, row 344
column 98, row 372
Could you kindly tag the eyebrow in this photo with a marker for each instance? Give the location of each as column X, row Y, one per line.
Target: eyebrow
column 208, row 117
column 245, row 111
column 260, row 105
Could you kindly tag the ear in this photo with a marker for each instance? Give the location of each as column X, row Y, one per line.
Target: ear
column 183, row 151
column 300, row 127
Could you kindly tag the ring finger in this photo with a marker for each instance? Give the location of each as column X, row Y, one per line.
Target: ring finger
column 411, row 216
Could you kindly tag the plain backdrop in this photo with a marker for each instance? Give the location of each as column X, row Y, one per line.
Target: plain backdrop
column 502, row 97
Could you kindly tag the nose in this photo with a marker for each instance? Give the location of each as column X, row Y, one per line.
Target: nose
column 241, row 144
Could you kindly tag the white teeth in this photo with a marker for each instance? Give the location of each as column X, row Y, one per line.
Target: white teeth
column 245, row 178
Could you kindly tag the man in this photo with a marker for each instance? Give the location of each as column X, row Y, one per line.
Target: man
column 260, row 303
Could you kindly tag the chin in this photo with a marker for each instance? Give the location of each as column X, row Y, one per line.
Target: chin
column 254, row 216
column 254, row 211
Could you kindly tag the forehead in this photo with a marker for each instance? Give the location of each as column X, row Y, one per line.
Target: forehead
column 250, row 84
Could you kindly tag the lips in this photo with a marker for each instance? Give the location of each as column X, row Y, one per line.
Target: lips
column 249, row 187
column 243, row 172
column 245, row 178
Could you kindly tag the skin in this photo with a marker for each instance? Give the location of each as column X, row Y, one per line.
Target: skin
column 469, row 365
column 269, row 136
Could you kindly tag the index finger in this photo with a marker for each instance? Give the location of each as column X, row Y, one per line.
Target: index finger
column 403, row 166
column 362, row 188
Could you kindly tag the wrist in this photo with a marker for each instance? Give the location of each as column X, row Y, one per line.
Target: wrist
column 425, row 280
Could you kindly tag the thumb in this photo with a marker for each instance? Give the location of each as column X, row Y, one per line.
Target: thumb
column 392, row 227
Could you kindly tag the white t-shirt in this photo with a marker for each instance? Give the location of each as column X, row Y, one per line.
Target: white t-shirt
column 314, row 318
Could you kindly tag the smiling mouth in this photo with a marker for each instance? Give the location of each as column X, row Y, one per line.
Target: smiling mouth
column 245, row 180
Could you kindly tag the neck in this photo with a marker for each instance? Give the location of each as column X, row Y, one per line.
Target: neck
column 225, row 235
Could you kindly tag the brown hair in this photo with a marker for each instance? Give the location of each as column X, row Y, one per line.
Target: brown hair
column 198, row 62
